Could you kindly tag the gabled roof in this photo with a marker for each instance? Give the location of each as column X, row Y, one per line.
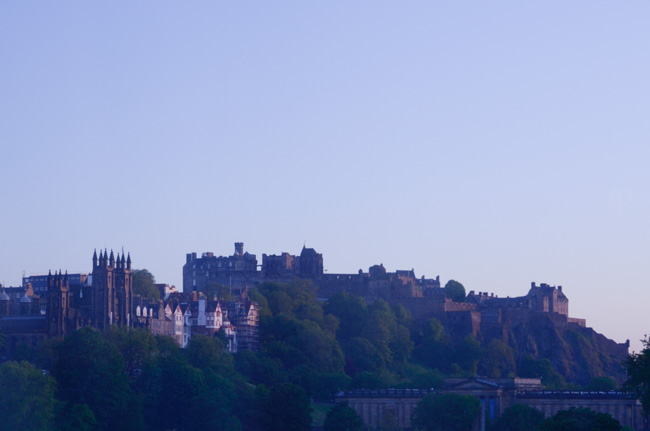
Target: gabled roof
column 472, row 383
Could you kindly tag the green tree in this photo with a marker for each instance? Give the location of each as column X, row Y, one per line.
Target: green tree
column 90, row 370
column 604, row 384
column 497, row 360
column 551, row 379
column 637, row 368
column 288, row 409
column 210, row 354
column 343, row 418
column 449, row 412
column 352, row 313
column 519, row 417
column 468, row 353
column 137, row 347
column 455, row 291
column 27, row 397
column 361, row 355
column 144, row 284
column 435, row 350
column 76, row 417
column 580, row 419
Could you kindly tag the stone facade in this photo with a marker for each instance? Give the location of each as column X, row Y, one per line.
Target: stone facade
column 182, row 315
column 104, row 301
column 395, row 406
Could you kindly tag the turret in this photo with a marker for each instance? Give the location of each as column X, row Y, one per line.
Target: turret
column 95, row 258
column 111, row 260
column 25, row 304
column 4, row 303
column 128, row 261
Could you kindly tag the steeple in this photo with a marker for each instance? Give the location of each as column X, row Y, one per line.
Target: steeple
column 95, row 258
column 128, row 261
column 111, row 260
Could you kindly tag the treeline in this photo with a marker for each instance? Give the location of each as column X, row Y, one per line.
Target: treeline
column 133, row 380
column 346, row 344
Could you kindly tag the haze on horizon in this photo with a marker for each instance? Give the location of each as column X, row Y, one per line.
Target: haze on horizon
column 492, row 143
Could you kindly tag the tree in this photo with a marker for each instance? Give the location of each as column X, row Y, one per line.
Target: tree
column 497, row 360
column 137, row 347
column 362, row 356
column 343, row 418
column 76, row 417
column 603, row 384
column 90, row 370
column 580, row 419
column 144, row 284
column 351, row 311
column 449, row 412
column 637, row 368
column 27, row 397
column 551, row 379
column 288, row 409
column 468, row 353
column 435, row 349
column 209, row 353
column 519, row 417
column 455, row 291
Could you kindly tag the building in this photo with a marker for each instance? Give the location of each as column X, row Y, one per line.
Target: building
column 71, row 301
column 395, row 406
column 39, row 283
column 182, row 315
column 241, row 271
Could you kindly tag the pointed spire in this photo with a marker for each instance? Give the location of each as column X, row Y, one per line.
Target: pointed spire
column 111, row 260
column 128, row 261
column 95, row 257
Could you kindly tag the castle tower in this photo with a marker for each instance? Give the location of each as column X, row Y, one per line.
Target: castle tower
column 57, row 304
column 311, row 263
column 239, row 249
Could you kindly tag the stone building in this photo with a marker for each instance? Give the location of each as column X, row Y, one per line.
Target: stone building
column 235, row 272
column 241, row 271
column 381, row 407
column 182, row 315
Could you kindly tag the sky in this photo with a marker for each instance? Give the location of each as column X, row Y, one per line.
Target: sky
column 494, row 143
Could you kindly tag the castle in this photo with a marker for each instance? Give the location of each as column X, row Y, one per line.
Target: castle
column 535, row 322
column 423, row 297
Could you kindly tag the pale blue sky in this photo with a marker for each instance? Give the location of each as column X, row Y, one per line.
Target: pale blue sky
column 496, row 143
